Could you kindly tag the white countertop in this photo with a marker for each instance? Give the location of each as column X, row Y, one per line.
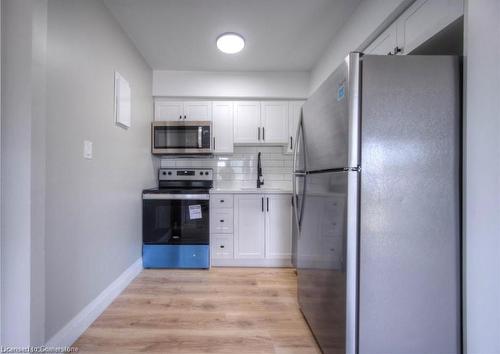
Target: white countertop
column 250, row 191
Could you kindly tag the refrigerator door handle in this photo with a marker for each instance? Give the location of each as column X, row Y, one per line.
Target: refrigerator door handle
column 298, row 210
column 298, row 133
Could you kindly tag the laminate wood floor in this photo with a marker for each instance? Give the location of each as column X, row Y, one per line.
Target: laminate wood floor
column 223, row 310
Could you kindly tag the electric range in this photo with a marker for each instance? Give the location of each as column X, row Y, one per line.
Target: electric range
column 176, row 226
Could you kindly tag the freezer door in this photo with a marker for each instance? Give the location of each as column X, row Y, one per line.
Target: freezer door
column 331, row 120
column 327, row 260
column 410, row 206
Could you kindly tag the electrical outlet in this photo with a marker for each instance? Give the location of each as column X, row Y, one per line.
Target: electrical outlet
column 87, row 149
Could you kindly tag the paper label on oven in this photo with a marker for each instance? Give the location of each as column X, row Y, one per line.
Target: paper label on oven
column 195, row 211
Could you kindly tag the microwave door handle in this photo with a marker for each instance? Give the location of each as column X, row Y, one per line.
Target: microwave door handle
column 200, row 131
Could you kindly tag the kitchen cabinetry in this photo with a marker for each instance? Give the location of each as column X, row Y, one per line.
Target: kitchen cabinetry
column 166, row 110
column 249, row 217
column 417, row 24
column 198, row 110
column 222, row 120
column 424, row 19
column 274, row 122
column 261, row 122
column 262, row 226
column 221, row 226
column 294, row 111
column 386, row 43
column 247, row 122
column 250, row 229
column 278, row 226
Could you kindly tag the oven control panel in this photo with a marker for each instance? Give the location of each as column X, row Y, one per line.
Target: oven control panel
column 183, row 174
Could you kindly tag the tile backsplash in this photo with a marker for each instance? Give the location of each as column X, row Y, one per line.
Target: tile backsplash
column 239, row 170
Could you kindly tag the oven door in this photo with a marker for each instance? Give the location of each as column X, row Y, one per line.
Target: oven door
column 175, row 219
column 181, row 137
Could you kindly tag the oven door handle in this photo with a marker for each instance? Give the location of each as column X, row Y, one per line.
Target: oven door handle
column 176, row 196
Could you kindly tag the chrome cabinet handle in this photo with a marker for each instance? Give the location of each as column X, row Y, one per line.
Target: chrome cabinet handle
column 262, row 199
column 184, row 117
column 214, row 142
column 263, row 134
column 291, row 142
column 258, row 133
column 267, row 205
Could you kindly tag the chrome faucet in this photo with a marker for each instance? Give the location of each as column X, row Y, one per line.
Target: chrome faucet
column 260, row 178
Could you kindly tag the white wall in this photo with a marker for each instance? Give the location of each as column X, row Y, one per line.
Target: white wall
column 93, row 207
column 23, row 115
column 231, row 84
column 1, row 291
column 482, row 177
column 365, row 23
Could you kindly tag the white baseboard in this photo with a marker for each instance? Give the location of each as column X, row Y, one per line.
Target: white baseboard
column 79, row 324
column 277, row 263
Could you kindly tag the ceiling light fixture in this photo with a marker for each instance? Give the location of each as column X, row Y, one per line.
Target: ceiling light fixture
column 230, row 43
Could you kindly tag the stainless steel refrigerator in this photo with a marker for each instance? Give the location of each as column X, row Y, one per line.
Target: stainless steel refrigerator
column 377, row 207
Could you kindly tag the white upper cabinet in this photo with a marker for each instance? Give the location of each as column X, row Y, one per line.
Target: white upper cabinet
column 274, row 122
column 169, row 110
column 294, row 109
column 278, row 226
column 247, row 122
column 417, row 24
column 249, row 226
column 386, row 43
column 424, row 19
column 198, row 110
column 222, row 122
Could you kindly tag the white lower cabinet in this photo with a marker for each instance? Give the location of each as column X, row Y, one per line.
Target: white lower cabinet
column 278, row 226
column 251, row 230
column 249, row 217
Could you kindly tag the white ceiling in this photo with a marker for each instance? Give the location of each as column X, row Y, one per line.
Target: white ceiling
column 281, row 35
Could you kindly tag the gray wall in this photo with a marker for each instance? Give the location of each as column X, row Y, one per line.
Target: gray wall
column 93, row 207
column 23, row 117
column 482, row 177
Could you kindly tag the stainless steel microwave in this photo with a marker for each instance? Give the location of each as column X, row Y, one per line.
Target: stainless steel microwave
column 172, row 137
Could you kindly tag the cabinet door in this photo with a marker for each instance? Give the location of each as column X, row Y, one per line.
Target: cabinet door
column 247, row 122
column 222, row 119
column 249, row 226
column 274, row 121
column 198, row 110
column 294, row 109
column 169, row 110
column 386, row 43
column 424, row 19
column 278, row 226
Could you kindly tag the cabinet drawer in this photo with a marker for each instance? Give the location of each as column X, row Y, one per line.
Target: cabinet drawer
column 222, row 246
column 218, row 201
column 221, row 221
